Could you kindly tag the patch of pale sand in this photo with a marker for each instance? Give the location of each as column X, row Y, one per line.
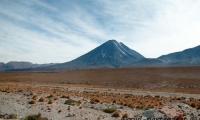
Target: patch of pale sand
column 16, row 103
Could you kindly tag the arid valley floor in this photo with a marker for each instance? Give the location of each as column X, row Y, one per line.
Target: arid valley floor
column 101, row 94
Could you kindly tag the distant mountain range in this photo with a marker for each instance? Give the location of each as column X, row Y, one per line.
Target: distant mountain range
column 113, row 54
column 21, row 65
column 186, row 57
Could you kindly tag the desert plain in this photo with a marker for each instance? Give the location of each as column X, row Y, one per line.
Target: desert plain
column 102, row 94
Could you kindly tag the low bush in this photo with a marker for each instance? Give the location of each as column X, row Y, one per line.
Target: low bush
column 125, row 115
column 42, row 99
column 32, row 102
column 51, row 101
column 72, row 102
column 35, row 117
column 110, row 110
column 116, row 114
column 35, row 97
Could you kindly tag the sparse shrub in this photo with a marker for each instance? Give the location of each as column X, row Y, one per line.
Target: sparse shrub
column 157, row 96
column 97, row 100
column 69, row 97
column 72, row 102
column 125, row 115
column 116, row 114
column 122, row 107
column 92, row 106
column 192, row 104
column 80, row 107
column 110, row 110
column 32, row 102
column 35, row 97
column 12, row 116
column 20, row 90
column 51, row 101
column 35, row 117
column 114, row 101
column 197, row 106
column 92, row 102
column 32, row 93
column 51, row 95
column 56, row 98
column 80, row 101
column 68, row 108
column 64, row 96
column 42, row 99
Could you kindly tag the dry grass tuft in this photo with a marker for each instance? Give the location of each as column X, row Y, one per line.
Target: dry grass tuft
column 51, row 101
column 32, row 102
column 122, row 107
column 116, row 114
column 192, row 104
column 197, row 106
column 32, row 93
column 92, row 107
column 42, row 99
column 35, row 97
column 80, row 101
column 97, row 100
column 125, row 115
column 64, row 96
column 69, row 97
column 56, row 98
column 51, row 95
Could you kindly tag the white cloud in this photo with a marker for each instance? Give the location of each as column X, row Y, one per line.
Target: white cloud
column 42, row 32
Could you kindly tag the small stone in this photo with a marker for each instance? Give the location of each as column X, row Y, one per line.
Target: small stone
column 60, row 111
column 70, row 115
column 179, row 106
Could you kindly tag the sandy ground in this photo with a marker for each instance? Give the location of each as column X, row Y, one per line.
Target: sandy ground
column 17, row 103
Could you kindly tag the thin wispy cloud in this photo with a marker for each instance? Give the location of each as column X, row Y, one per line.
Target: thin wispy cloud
column 59, row 31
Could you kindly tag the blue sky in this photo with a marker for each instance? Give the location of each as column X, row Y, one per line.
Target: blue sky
column 52, row 31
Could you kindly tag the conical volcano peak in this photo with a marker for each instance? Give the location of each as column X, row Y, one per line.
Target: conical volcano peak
column 112, row 40
column 110, row 54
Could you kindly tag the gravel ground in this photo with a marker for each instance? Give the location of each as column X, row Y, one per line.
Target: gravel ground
column 17, row 103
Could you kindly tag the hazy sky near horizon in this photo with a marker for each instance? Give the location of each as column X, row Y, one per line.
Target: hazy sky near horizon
column 56, row 31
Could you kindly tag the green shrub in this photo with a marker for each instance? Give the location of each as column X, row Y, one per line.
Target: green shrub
column 13, row 116
column 110, row 110
column 72, row 102
column 35, row 117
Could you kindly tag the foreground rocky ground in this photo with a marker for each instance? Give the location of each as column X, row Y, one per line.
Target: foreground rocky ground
column 92, row 103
